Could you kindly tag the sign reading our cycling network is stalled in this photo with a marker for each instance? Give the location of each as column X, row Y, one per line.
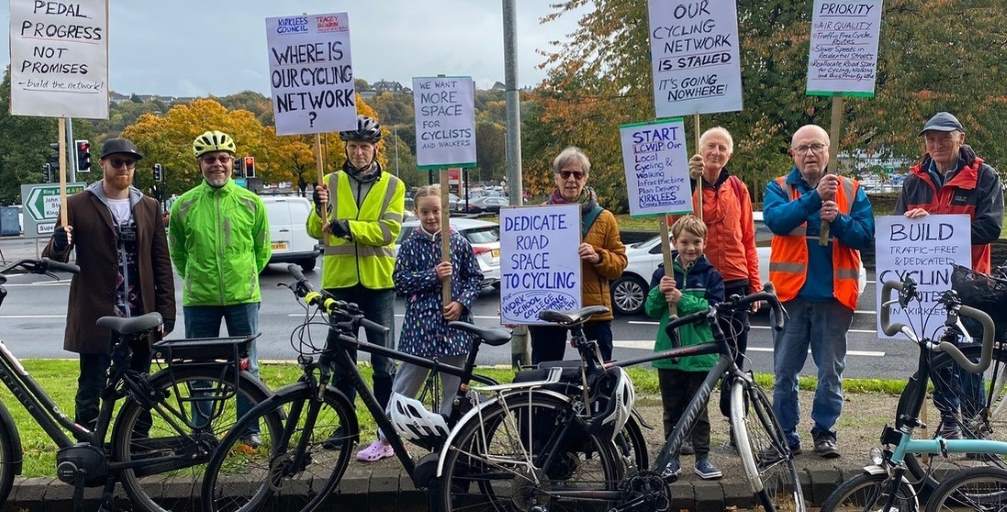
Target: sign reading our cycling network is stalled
column 310, row 73
column 924, row 250
column 694, row 54
column 844, row 47
column 657, row 167
column 59, row 58
column 445, row 122
column 539, row 261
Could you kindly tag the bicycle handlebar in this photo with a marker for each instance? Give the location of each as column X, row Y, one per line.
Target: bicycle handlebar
column 48, row 264
column 329, row 304
column 950, row 349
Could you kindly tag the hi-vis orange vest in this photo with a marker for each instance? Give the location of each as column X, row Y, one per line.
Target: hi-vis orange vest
column 788, row 261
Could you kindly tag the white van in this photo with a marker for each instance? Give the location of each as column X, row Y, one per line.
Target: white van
column 291, row 243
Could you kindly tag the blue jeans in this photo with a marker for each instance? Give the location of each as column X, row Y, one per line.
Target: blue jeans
column 241, row 320
column 822, row 326
column 378, row 306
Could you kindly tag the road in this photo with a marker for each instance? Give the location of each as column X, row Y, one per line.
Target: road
column 33, row 315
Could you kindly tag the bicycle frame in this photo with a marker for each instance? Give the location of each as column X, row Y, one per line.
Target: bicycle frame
column 38, row 403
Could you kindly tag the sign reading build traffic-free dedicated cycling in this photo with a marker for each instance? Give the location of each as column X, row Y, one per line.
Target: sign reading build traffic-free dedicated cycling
column 539, row 262
column 59, row 58
column 310, row 73
column 41, row 206
column 445, row 122
column 657, row 167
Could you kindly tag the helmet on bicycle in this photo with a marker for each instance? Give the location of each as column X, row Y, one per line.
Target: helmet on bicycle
column 413, row 421
column 211, row 141
column 368, row 130
column 618, row 388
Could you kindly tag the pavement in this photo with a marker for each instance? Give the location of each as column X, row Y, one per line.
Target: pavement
column 384, row 486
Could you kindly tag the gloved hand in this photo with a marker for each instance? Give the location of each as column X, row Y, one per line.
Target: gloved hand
column 62, row 237
column 319, row 195
column 340, row 228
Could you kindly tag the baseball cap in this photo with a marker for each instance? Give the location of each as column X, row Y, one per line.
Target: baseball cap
column 942, row 122
column 112, row 146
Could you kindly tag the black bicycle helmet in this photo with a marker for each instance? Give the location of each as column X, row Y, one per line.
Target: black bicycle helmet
column 368, row 130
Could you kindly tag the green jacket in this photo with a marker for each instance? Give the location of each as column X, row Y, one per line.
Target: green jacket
column 701, row 284
column 219, row 242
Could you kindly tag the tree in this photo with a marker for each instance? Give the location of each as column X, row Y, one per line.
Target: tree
column 24, row 146
column 491, row 150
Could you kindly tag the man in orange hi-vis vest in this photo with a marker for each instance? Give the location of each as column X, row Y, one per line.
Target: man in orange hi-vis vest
column 817, row 284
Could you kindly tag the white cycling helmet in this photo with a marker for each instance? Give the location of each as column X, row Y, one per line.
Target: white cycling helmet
column 413, row 421
column 624, row 396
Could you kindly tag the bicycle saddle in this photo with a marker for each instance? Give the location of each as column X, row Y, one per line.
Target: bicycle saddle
column 492, row 336
column 132, row 325
column 570, row 317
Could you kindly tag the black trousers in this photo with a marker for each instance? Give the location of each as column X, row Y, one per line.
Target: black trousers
column 91, row 382
column 548, row 342
column 379, row 307
column 677, row 388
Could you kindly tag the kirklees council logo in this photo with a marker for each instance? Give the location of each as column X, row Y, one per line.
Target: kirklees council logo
column 292, row 25
column 330, row 24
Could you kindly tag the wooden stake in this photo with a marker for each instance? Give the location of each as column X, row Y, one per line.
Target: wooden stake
column 669, row 270
column 445, row 235
column 835, row 134
column 699, row 179
column 320, row 171
column 62, row 171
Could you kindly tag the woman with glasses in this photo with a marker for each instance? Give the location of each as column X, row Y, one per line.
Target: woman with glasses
column 602, row 257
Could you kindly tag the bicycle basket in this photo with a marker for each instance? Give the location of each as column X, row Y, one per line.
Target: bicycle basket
column 985, row 293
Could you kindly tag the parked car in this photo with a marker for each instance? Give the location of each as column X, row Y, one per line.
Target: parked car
column 629, row 291
column 484, row 237
column 486, row 204
column 291, row 243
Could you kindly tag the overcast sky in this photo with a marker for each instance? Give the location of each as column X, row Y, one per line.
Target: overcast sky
column 218, row 47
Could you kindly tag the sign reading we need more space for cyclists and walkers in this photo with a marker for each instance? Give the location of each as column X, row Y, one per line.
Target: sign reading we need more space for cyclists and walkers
column 445, row 122
column 657, row 167
column 844, row 48
column 539, row 262
column 694, row 54
column 311, row 74
column 59, row 58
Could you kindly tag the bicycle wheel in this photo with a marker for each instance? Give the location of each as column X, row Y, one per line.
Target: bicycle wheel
column 765, row 456
column 297, row 468
column 498, row 462
column 183, row 440
column 631, row 446
column 976, row 415
column 980, row 488
column 866, row 492
column 8, row 438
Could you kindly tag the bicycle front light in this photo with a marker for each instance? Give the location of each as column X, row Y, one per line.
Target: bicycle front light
column 876, row 456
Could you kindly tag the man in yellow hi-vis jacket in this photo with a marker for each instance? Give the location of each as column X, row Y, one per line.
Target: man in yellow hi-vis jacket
column 361, row 225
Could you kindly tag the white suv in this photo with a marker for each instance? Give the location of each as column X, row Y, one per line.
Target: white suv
column 291, row 243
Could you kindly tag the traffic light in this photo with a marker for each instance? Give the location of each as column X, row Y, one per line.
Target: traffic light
column 249, row 166
column 83, row 155
column 46, row 172
column 158, row 173
column 53, row 160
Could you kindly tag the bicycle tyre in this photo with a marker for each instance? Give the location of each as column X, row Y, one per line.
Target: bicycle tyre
column 867, row 491
column 9, row 456
column 930, row 470
column 632, row 447
column 762, row 446
column 164, row 489
column 266, row 481
column 978, row 488
column 499, row 446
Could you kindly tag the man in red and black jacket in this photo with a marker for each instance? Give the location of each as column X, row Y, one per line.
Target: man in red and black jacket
column 952, row 179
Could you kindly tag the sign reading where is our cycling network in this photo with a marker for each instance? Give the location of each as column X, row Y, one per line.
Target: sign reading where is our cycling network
column 657, row 167
column 694, row 54
column 539, row 263
column 59, row 58
column 311, row 74
column 445, row 122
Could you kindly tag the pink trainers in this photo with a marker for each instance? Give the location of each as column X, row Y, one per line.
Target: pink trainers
column 375, row 451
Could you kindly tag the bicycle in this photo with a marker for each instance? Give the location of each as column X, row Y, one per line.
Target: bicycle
column 980, row 488
column 300, row 466
column 152, row 434
column 889, row 481
column 498, row 452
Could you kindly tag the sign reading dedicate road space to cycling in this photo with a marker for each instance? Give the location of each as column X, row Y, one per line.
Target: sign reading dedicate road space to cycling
column 657, row 167
column 539, row 263
column 59, row 58
column 694, row 54
column 310, row 73
column 445, row 122
column 923, row 249
column 844, row 47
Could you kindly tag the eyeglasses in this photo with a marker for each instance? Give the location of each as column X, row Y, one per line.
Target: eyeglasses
column 210, row 159
column 810, row 148
column 576, row 174
column 118, row 162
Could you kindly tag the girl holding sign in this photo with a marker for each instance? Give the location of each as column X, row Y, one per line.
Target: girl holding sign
column 419, row 272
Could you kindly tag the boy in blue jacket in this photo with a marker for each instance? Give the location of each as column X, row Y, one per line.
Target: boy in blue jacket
column 694, row 286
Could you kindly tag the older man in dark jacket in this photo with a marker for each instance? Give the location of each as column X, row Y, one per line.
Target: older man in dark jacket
column 122, row 250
